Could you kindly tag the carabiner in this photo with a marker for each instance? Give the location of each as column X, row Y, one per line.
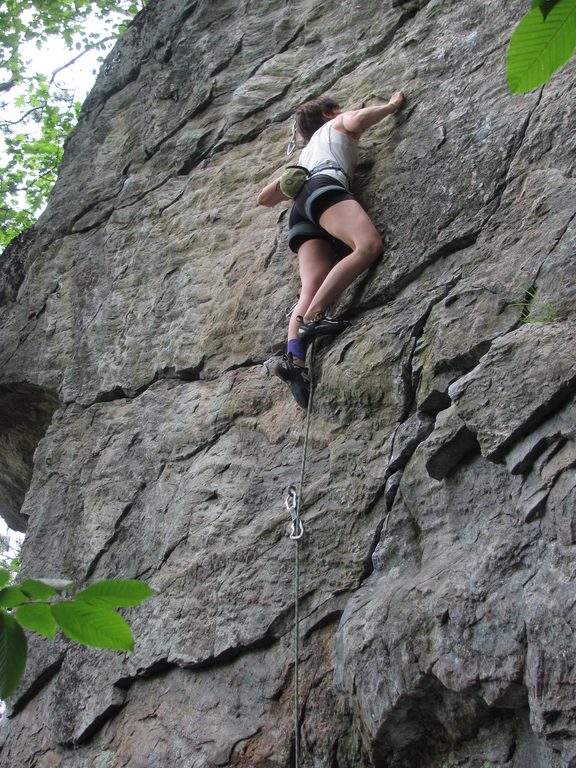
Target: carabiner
column 293, row 535
column 291, row 502
column 292, row 142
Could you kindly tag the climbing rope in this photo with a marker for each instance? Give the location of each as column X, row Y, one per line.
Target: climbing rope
column 294, row 506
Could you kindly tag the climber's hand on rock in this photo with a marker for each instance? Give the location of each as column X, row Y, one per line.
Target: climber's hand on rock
column 397, row 99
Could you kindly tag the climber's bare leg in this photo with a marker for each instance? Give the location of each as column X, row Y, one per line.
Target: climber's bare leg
column 315, row 260
column 349, row 222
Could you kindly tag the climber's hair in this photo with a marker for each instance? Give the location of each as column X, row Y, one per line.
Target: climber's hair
column 309, row 116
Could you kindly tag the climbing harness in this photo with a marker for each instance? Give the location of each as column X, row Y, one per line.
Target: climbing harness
column 294, row 177
column 293, row 503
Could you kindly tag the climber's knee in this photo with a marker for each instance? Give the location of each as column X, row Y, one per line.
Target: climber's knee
column 370, row 249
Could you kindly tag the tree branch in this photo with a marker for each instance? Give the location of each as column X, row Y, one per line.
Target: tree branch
column 7, row 123
column 79, row 56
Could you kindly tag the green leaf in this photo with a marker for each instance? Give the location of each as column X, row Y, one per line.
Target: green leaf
column 539, row 46
column 11, row 597
column 13, row 650
column 92, row 625
column 4, row 577
column 37, row 617
column 36, row 589
column 116, row 593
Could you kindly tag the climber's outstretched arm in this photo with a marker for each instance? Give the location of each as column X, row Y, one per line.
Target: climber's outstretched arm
column 271, row 194
column 358, row 120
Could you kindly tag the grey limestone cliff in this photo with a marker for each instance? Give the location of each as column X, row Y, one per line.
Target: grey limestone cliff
column 141, row 437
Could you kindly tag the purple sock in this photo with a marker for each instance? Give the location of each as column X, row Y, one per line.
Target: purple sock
column 298, row 348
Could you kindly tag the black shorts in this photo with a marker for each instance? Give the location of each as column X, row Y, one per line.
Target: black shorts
column 316, row 196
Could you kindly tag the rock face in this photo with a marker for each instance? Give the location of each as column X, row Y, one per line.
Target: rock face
column 141, row 437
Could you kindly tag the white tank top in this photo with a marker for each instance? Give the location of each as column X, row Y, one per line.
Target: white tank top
column 330, row 146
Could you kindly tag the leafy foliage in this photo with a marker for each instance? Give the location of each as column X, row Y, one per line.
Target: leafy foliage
column 31, row 142
column 9, row 559
column 29, row 172
column 543, row 41
column 88, row 617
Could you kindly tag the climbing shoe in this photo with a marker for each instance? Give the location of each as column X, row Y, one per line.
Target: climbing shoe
column 296, row 377
column 321, row 326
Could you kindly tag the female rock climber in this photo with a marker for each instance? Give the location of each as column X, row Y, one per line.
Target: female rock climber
column 325, row 218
